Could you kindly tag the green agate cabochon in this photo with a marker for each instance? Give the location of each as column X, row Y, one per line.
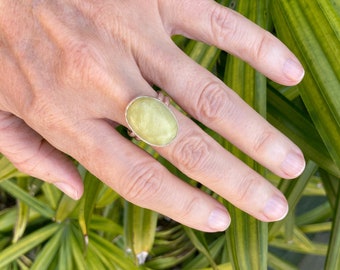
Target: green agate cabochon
column 151, row 120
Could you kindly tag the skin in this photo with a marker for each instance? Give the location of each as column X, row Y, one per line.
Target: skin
column 70, row 67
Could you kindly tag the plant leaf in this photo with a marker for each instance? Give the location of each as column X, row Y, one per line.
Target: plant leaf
column 247, row 237
column 7, row 169
column 52, row 194
column 87, row 204
column 65, row 208
column 139, row 230
column 25, row 197
column 293, row 191
column 22, row 215
column 48, row 252
column 27, row 243
column 333, row 258
column 198, row 240
column 288, row 119
column 110, row 252
column 314, row 36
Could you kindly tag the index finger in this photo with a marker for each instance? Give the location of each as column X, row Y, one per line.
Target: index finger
column 214, row 24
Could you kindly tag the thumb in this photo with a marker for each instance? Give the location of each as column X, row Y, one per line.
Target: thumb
column 33, row 155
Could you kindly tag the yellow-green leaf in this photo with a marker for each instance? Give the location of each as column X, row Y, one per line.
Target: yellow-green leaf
column 27, row 243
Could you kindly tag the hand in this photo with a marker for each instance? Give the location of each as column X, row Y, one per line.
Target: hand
column 69, row 68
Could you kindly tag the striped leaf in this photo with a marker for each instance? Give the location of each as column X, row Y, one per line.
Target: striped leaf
column 27, row 243
column 7, row 169
column 333, row 258
column 312, row 30
column 25, row 197
column 139, row 230
column 247, row 237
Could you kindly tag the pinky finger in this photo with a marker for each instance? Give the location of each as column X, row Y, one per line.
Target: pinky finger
column 33, row 155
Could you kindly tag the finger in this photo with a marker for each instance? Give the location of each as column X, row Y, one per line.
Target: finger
column 31, row 154
column 214, row 24
column 203, row 159
column 200, row 157
column 208, row 100
column 142, row 180
column 124, row 167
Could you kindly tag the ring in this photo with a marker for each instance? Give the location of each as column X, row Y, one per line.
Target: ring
column 151, row 120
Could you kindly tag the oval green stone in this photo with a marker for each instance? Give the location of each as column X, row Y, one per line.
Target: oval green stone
column 152, row 121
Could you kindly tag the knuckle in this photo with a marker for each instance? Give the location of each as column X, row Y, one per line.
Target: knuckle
column 261, row 140
column 142, row 183
column 7, row 122
column 39, row 105
column 188, row 209
column 213, row 104
column 247, row 187
column 80, row 63
column 192, row 153
column 26, row 166
column 27, row 162
column 78, row 54
column 260, row 47
column 223, row 24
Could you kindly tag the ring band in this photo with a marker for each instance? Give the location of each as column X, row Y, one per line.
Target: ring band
column 151, row 120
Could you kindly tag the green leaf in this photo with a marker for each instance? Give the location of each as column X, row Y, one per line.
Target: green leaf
column 24, row 263
column 293, row 123
column 52, row 194
column 225, row 266
column 300, row 244
column 201, row 260
column 102, row 224
column 25, row 197
column 65, row 208
column 106, row 197
column 279, row 264
column 333, row 260
column 172, row 259
column 317, row 214
column 49, row 251
column 87, row 204
column 96, row 260
column 314, row 36
column 22, row 215
column 198, row 240
column 27, row 243
column 7, row 169
column 21, row 221
column 202, row 53
column 8, row 218
column 331, row 185
column 65, row 251
column 139, row 230
column 247, row 237
column 4, row 241
column 317, row 228
column 293, row 191
column 77, row 246
column 110, row 253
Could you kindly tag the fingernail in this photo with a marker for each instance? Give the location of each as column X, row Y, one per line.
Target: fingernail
column 276, row 208
column 67, row 189
column 293, row 70
column 293, row 165
column 218, row 220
